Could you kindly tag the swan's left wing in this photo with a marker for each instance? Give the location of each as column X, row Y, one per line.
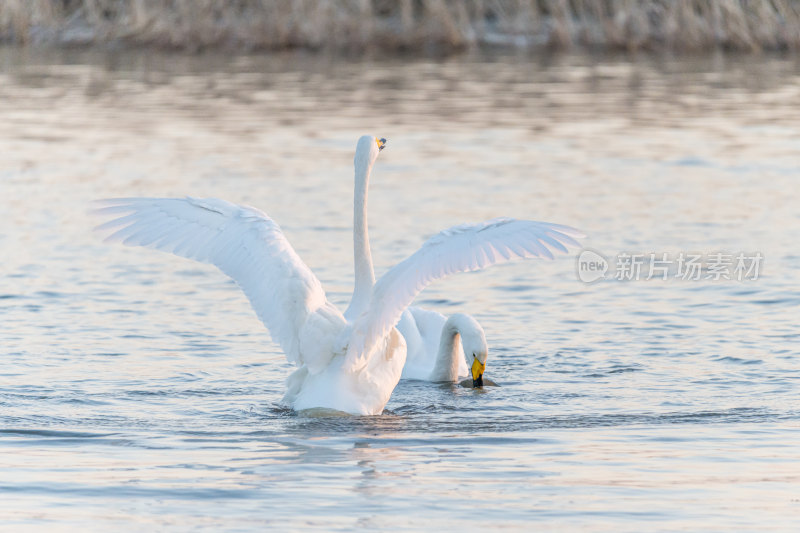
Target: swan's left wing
column 461, row 248
column 241, row 241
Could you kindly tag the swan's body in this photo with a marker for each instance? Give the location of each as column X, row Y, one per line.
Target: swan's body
column 348, row 362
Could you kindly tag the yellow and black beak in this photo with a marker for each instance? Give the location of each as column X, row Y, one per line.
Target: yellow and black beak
column 477, row 372
column 381, row 143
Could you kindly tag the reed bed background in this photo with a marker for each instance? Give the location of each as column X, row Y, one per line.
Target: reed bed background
column 358, row 26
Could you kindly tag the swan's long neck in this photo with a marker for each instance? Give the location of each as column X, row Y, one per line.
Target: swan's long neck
column 364, row 274
column 446, row 367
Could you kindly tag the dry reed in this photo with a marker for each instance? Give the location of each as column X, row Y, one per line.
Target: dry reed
column 407, row 25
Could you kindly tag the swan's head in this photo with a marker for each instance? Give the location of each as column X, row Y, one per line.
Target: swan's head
column 367, row 150
column 473, row 341
column 478, row 353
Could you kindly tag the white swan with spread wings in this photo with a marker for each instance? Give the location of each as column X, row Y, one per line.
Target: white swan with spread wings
column 347, row 362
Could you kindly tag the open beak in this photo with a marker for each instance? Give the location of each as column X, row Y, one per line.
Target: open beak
column 477, row 373
column 381, row 144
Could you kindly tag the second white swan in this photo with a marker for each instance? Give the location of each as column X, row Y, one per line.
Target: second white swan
column 443, row 348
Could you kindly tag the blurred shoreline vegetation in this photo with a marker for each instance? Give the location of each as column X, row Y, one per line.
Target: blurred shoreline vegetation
column 406, row 26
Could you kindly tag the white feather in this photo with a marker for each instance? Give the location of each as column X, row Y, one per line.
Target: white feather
column 462, row 248
column 243, row 242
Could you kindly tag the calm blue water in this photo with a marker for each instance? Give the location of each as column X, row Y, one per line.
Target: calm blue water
column 139, row 391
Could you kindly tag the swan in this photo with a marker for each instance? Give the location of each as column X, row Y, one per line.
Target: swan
column 433, row 339
column 442, row 348
column 348, row 362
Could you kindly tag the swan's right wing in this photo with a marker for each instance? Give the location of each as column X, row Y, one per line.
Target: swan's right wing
column 241, row 241
column 461, row 248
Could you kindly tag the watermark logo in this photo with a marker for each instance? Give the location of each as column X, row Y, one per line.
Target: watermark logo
column 593, row 266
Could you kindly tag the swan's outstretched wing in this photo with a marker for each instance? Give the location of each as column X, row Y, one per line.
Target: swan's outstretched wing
column 461, row 248
column 243, row 242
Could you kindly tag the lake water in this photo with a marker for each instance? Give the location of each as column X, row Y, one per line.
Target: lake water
column 139, row 391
